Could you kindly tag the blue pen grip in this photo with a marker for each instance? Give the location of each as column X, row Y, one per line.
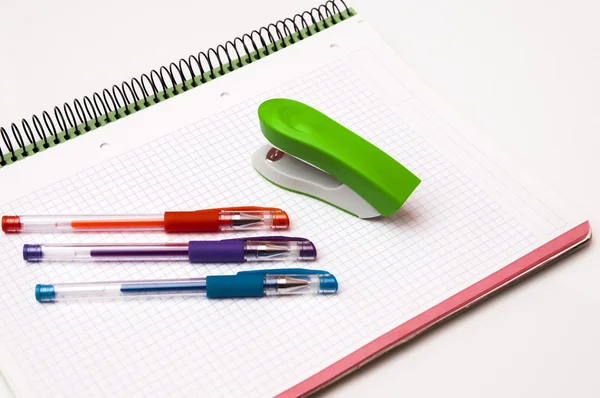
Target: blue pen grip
column 224, row 286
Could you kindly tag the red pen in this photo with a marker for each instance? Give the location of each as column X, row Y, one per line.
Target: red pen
column 210, row 220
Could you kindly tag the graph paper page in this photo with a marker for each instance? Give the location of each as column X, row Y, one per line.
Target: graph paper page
column 466, row 220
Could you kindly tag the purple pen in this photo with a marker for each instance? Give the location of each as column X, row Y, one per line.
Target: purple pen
column 259, row 248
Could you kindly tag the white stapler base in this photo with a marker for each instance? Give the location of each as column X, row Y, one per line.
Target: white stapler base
column 296, row 175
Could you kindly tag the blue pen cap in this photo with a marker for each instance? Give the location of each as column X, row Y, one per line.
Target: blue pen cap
column 328, row 284
column 32, row 253
column 44, row 293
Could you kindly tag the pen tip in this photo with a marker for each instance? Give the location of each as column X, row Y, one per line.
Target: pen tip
column 292, row 283
column 245, row 219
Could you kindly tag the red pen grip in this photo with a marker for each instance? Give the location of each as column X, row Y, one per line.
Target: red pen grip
column 192, row 221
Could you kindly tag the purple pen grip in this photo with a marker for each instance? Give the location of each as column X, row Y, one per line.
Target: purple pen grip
column 222, row 251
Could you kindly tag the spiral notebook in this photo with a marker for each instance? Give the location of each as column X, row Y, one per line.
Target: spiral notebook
column 477, row 222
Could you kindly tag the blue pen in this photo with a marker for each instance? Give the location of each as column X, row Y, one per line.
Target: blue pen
column 258, row 283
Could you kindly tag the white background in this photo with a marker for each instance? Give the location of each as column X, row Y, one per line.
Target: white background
column 525, row 72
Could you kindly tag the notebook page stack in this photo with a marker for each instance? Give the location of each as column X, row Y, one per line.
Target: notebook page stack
column 474, row 213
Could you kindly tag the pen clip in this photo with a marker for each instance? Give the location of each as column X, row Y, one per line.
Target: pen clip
column 284, row 271
column 244, row 208
column 268, row 238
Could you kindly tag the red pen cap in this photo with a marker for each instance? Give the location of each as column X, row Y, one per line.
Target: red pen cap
column 11, row 224
column 280, row 220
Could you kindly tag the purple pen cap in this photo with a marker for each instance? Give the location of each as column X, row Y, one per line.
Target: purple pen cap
column 308, row 251
column 32, row 253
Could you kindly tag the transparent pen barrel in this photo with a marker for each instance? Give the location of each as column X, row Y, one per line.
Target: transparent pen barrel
column 250, row 220
column 91, row 223
column 109, row 290
column 279, row 251
column 75, row 291
column 125, row 252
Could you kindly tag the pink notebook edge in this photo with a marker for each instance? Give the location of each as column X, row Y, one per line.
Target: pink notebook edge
column 514, row 271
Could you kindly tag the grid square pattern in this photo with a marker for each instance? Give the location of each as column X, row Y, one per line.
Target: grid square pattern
column 449, row 234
